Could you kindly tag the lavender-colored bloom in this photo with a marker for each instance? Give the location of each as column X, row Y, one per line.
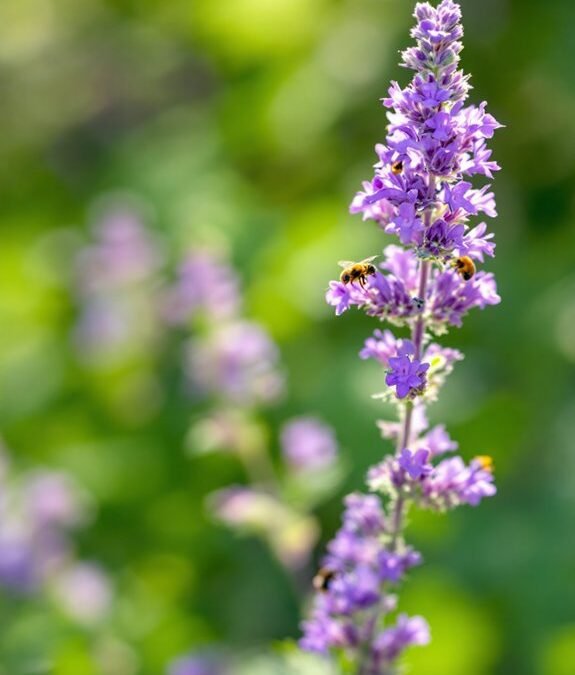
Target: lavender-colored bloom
column 391, row 297
column 205, row 283
column 308, row 444
column 433, row 126
column 386, row 296
column 363, row 514
column 453, row 483
column 387, row 477
column 441, row 239
column 324, row 632
column 340, row 296
column 393, row 566
column 381, row 347
column 437, row 441
column 406, row 224
column 18, row 569
column 84, row 592
column 115, row 280
column 37, row 513
column 123, row 252
column 415, row 464
column 402, row 264
column 196, row 664
column 407, row 373
column 451, row 297
column 354, row 590
column 52, row 499
column 455, row 197
column 349, row 547
column 420, row 191
column 476, row 243
column 446, row 485
column 382, row 211
column 407, row 632
column 383, row 296
column 362, row 568
column 238, row 363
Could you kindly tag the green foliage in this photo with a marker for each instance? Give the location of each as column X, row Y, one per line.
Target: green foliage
column 249, row 123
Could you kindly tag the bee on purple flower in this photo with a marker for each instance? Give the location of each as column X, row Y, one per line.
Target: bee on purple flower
column 420, row 192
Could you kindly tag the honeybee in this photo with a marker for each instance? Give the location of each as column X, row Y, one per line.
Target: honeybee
column 486, row 462
column 397, row 167
column 323, row 578
column 465, row 267
column 359, row 271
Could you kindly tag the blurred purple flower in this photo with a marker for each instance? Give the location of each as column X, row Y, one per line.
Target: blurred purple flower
column 239, row 363
column 18, row 570
column 205, row 283
column 290, row 534
column 116, row 277
column 308, row 444
column 123, row 253
column 84, row 592
column 196, row 664
column 52, row 499
column 37, row 513
column 437, row 441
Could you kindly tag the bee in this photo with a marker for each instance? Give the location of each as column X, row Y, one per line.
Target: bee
column 323, row 578
column 397, row 167
column 359, row 271
column 465, row 267
column 486, row 462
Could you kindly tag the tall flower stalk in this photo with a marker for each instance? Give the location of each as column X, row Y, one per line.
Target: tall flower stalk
column 420, row 193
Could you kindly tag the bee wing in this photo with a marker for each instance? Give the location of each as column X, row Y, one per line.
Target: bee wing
column 368, row 260
column 345, row 263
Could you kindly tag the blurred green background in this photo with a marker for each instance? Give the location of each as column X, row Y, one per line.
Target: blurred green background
column 253, row 122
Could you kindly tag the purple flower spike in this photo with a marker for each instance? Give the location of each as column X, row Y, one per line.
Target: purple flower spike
column 359, row 566
column 421, row 192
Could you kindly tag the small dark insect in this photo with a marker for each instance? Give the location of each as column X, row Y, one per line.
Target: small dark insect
column 323, row 578
column 465, row 267
column 397, row 167
column 357, row 271
column 418, row 302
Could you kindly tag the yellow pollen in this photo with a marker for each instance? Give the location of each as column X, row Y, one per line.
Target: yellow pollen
column 486, row 462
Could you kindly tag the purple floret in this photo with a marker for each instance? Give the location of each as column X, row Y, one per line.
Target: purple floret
column 407, row 374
